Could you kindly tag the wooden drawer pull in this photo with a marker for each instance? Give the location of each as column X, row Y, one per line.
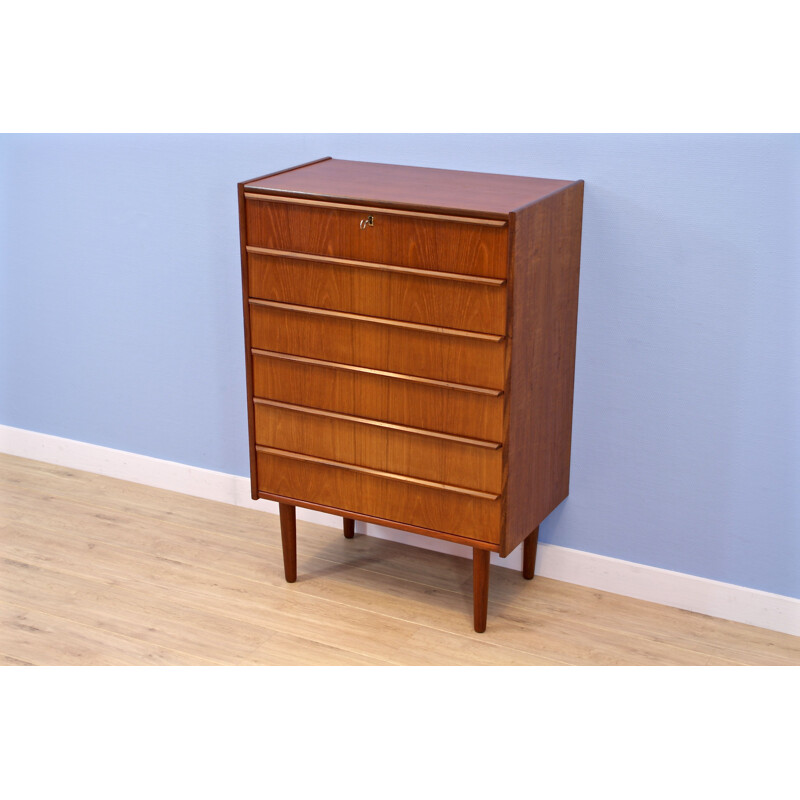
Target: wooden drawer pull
column 349, row 262
column 463, row 387
column 379, row 423
column 379, row 473
column 497, row 223
column 415, row 326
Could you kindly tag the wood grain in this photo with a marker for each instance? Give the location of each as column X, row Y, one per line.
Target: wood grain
column 392, row 476
column 402, row 241
column 289, row 169
column 545, row 251
column 377, row 293
column 401, row 526
column 365, row 393
column 349, row 262
column 384, row 498
column 379, row 424
column 424, row 354
column 247, row 342
column 397, row 376
column 392, row 323
column 35, row 637
column 411, row 187
column 369, row 210
column 445, row 461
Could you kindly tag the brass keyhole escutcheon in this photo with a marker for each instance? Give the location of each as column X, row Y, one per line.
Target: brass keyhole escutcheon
column 367, row 222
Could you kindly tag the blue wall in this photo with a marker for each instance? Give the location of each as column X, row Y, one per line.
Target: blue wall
column 121, row 319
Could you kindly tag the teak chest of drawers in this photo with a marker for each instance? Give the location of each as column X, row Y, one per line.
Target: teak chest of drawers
column 410, row 345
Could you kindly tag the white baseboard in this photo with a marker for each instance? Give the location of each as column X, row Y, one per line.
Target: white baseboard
column 728, row 601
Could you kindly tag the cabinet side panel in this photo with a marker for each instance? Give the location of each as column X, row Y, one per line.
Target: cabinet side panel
column 546, row 263
column 247, row 346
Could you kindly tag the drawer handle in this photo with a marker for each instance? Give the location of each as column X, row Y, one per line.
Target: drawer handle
column 368, row 221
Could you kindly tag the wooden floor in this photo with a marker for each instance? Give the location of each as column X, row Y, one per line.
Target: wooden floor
column 98, row 571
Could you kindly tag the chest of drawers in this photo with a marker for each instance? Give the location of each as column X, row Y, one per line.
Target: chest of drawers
column 410, row 348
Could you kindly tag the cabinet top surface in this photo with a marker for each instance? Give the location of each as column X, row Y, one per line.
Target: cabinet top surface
column 391, row 184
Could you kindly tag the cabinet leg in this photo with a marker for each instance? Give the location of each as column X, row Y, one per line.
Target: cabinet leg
column 480, row 587
column 289, row 541
column 349, row 527
column 529, row 553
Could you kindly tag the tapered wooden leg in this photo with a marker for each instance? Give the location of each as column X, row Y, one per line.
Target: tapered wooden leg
column 289, row 540
column 529, row 553
column 349, row 527
column 480, row 587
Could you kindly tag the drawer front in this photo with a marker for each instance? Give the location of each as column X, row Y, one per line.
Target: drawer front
column 376, row 445
column 421, row 242
column 461, row 359
column 373, row 495
column 451, row 303
column 363, row 393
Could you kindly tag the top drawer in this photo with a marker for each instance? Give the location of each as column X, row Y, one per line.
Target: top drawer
column 425, row 241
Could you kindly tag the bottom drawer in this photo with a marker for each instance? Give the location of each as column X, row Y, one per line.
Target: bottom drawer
column 387, row 498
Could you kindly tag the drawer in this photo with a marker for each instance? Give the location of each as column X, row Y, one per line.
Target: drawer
column 467, row 359
column 378, row 291
column 365, row 393
column 422, row 242
column 394, row 500
column 441, row 458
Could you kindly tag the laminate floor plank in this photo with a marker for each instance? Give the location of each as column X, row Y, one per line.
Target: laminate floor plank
column 126, row 497
column 278, row 608
column 134, row 614
column 204, row 580
column 722, row 638
column 684, row 630
column 120, row 608
column 558, row 597
column 540, row 635
column 539, row 638
column 282, row 650
column 726, row 639
column 9, row 661
column 39, row 638
column 79, row 588
column 676, row 629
